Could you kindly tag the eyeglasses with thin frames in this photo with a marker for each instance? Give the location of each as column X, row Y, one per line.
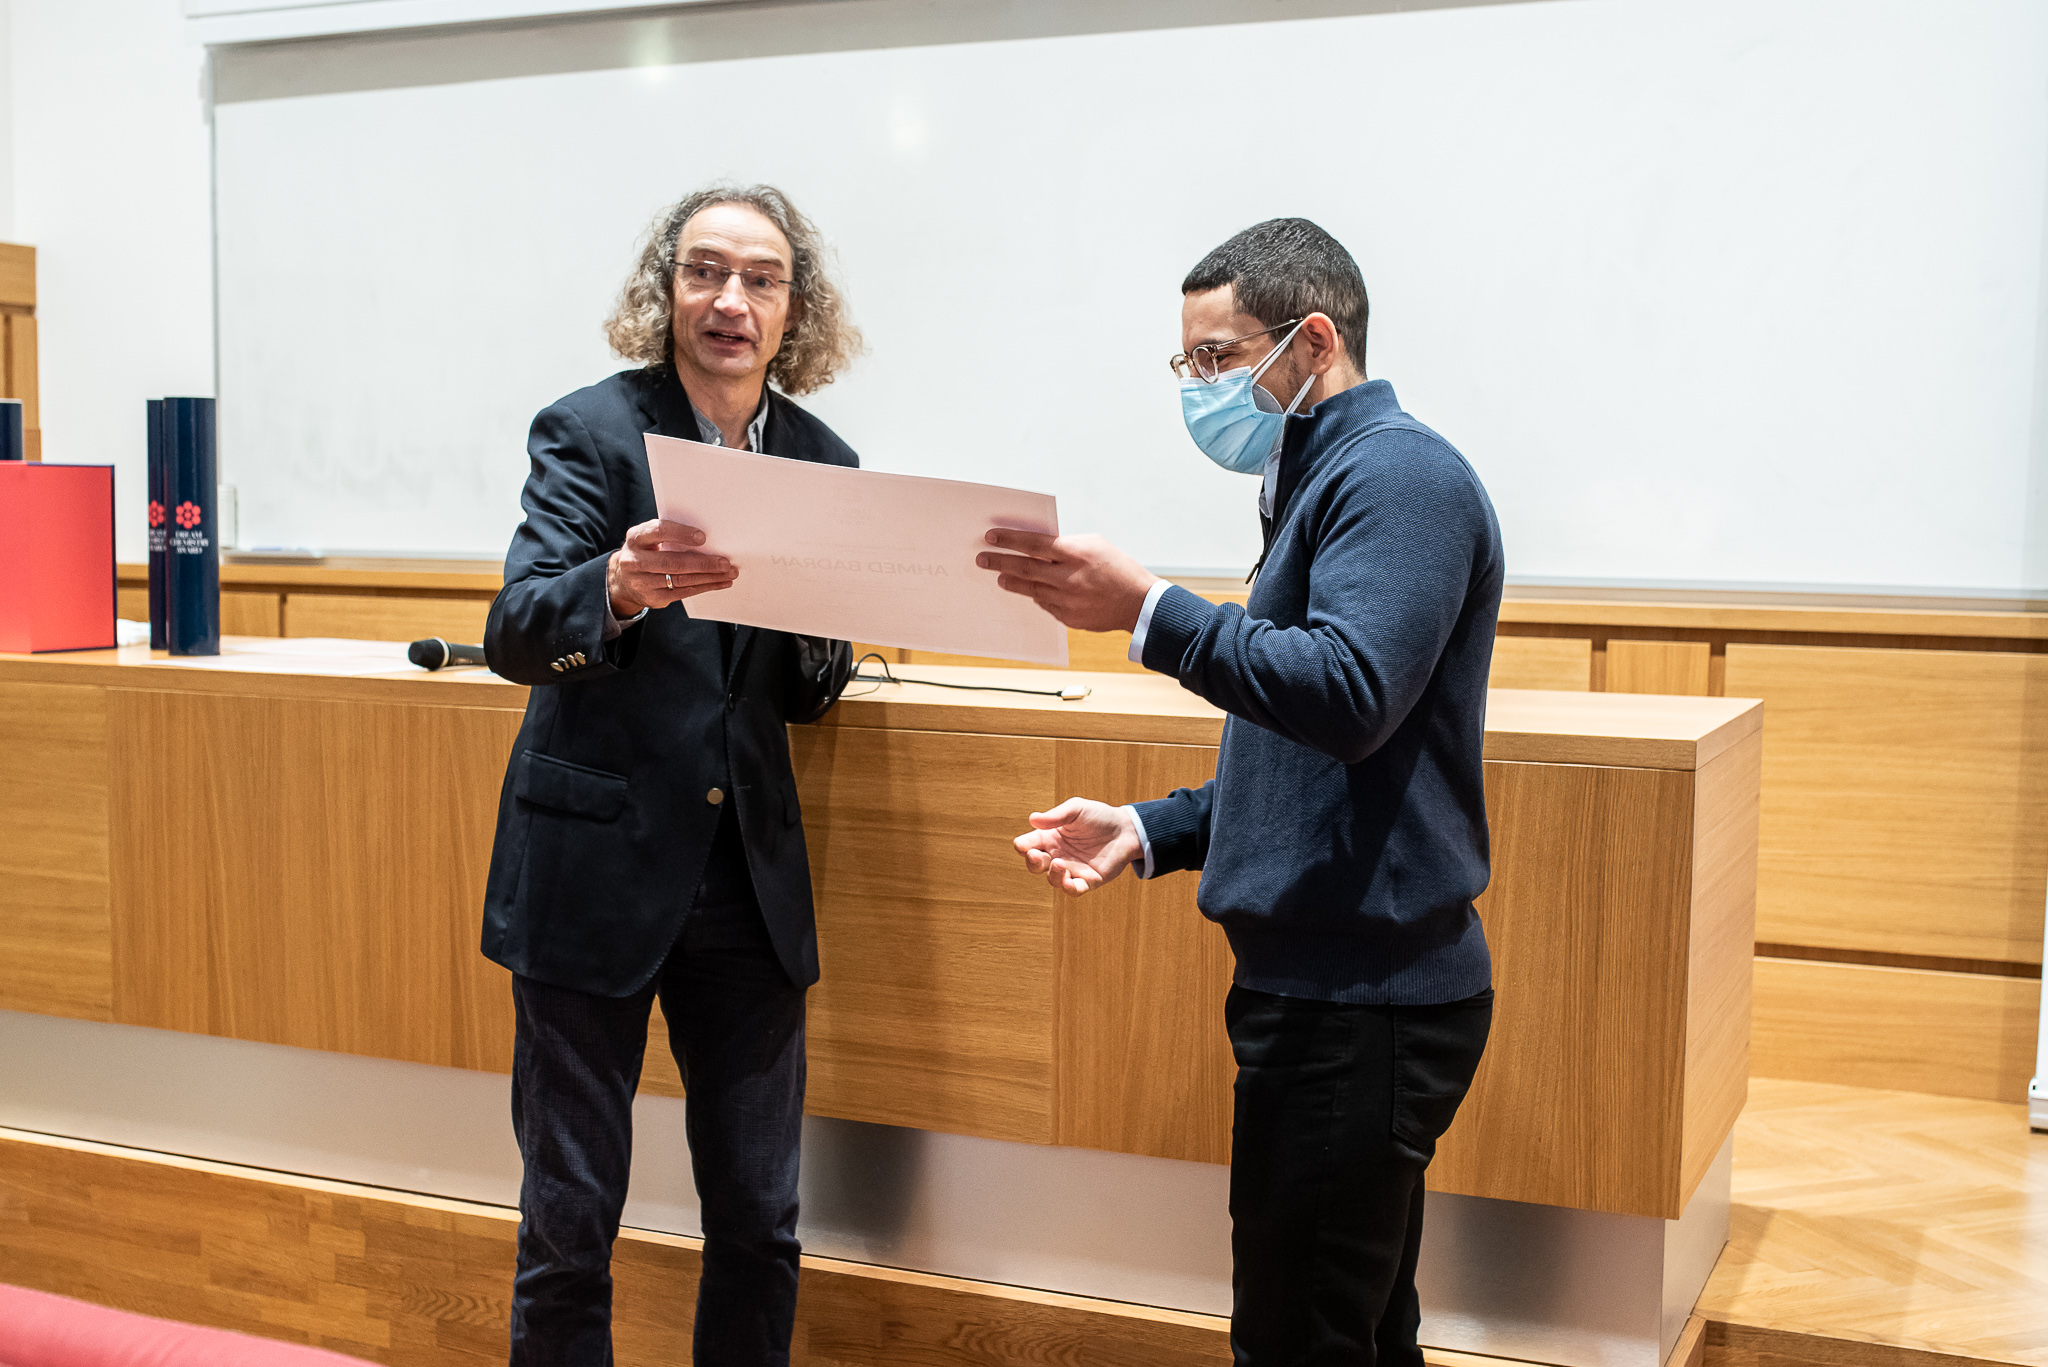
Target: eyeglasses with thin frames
column 709, row 277
column 1206, row 360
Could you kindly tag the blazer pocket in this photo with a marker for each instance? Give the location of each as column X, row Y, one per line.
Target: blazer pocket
column 549, row 782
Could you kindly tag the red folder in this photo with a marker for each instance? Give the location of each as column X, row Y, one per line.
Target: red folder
column 56, row 556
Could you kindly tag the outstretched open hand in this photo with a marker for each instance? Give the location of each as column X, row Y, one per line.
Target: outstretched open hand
column 1080, row 844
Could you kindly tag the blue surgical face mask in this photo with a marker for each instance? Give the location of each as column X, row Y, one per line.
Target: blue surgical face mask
column 1235, row 422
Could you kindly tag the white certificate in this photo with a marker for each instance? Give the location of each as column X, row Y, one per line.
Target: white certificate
column 823, row 550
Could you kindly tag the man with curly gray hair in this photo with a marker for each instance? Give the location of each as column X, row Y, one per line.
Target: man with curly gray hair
column 649, row 842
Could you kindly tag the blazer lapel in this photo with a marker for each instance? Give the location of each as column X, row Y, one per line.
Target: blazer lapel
column 673, row 416
column 669, row 408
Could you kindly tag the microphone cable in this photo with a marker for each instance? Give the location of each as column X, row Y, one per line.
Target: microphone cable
column 435, row 653
column 887, row 675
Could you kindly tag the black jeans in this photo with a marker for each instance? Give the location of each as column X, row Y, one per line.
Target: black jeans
column 1338, row 1112
column 736, row 1026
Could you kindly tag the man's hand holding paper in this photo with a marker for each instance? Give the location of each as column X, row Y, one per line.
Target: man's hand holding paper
column 1083, row 581
column 660, row 564
column 852, row 554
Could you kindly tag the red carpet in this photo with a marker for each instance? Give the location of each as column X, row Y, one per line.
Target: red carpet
column 41, row 1330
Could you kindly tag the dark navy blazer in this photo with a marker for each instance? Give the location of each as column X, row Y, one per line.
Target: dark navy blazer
column 606, row 817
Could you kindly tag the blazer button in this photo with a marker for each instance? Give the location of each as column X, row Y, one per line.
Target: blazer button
column 715, row 796
column 577, row 657
column 555, row 665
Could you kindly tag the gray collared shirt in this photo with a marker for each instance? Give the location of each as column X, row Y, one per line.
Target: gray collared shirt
column 708, row 433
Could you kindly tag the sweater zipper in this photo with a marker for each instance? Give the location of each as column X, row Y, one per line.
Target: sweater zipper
column 1266, row 523
column 1265, row 546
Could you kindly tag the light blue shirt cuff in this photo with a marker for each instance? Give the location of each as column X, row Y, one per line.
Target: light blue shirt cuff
column 615, row 627
column 1144, row 866
column 1137, row 656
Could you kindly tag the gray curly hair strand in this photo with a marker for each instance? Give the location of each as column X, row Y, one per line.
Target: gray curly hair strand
column 824, row 340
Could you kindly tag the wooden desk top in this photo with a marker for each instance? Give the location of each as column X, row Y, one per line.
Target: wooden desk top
column 1632, row 730
column 1624, row 729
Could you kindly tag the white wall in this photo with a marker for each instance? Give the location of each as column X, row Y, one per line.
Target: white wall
column 111, row 185
column 1708, row 290
column 6, row 121
column 104, row 167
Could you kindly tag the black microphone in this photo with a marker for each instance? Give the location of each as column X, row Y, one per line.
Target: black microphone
column 435, row 653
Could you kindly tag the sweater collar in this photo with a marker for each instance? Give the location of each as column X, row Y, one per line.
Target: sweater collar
column 1317, row 430
column 1360, row 406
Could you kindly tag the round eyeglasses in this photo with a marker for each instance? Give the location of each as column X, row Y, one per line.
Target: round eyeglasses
column 1209, row 360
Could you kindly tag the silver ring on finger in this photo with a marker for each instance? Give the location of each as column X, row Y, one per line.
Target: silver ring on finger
column 671, row 580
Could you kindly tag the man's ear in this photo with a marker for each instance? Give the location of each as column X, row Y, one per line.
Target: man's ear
column 1324, row 345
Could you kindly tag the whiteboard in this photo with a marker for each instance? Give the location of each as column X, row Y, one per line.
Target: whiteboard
column 1708, row 292
column 256, row 21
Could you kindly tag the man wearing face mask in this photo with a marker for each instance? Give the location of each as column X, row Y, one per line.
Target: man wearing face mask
column 1343, row 839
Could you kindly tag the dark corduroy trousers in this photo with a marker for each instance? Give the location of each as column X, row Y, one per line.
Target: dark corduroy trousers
column 1338, row 1110
column 736, row 1027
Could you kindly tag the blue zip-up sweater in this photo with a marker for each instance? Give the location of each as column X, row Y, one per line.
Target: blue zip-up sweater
column 1344, row 836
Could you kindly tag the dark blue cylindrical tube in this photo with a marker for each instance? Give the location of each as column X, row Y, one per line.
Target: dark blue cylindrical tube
column 11, row 447
column 192, row 576
column 158, row 523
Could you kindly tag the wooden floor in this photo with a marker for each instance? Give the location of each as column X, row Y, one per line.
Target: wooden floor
column 1882, row 1218
column 1871, row 1229
column 421, row 1281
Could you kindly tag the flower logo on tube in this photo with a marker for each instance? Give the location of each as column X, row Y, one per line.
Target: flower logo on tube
column 188, row 514
column 156, row 513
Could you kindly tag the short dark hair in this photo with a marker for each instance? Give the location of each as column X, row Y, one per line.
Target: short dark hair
column 1289, row 268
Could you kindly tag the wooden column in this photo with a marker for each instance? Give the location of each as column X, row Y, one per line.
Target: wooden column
column 18, row 341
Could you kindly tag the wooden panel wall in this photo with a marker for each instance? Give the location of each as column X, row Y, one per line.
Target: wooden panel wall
column 1542, row 662
column 384, row 618
column 243, row 613
column 1863, row 1025
column 1905, row 799
column 1104, row 652
column 1903, row 795
column 308, row 872
column 1095, row 651
column 419, row 1282
column 19, row 378
column 17, row 275
column 54, row 946
column 1658, row 667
